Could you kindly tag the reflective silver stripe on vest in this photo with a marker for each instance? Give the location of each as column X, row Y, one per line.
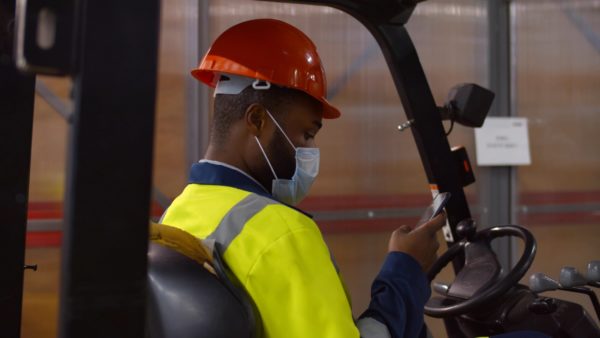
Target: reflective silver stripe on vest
column 232, row 224
column 372, row 328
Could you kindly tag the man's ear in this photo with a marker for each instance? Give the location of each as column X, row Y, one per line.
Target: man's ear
column 255, row 118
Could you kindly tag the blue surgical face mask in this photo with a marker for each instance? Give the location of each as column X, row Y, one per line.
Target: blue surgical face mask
column 294, row 190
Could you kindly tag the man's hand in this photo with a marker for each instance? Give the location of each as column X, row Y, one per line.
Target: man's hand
column 421, row 243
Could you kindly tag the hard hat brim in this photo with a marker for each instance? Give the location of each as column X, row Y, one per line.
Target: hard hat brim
column 329, row 111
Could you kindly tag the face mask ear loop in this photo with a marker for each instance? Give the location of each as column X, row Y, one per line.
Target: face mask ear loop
column 266, row 158
column 280, row 129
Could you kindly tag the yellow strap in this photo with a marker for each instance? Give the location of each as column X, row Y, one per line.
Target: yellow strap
column 182, row 242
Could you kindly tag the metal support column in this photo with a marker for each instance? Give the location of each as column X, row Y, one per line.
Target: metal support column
column 16, row 123
column 497, row 185
column 107, row 202
column 197, row 95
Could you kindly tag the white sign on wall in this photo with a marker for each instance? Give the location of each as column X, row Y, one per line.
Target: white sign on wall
column 503, row 141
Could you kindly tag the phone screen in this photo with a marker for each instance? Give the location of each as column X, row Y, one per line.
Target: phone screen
column 435, row 208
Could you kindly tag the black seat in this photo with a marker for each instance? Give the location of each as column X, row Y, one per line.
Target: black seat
column 185, row 300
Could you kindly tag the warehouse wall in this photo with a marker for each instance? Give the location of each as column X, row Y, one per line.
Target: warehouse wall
column 366, row 163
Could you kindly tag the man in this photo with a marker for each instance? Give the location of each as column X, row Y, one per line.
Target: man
column 261, row 161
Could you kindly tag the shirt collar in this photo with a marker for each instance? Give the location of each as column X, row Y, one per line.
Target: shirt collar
column 229, row 166
column 219, row 173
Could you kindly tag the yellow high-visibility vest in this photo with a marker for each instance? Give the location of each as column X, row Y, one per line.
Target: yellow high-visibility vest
column 277, row 253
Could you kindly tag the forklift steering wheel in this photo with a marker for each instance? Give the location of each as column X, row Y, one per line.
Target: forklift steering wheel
column 479, row 281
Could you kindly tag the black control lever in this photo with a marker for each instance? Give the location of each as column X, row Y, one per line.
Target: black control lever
column 543, row 306
column 589, row 293
column 539, row 283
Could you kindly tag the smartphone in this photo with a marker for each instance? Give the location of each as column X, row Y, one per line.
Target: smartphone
column 435, row 208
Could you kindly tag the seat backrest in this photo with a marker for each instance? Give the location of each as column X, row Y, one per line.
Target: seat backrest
column 185, row 300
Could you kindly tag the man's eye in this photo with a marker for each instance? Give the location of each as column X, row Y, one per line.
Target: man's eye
column 308, row 136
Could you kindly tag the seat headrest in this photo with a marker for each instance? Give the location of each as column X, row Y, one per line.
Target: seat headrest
column 182, row 242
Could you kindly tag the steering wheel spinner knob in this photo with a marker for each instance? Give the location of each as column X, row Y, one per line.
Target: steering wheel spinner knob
column 466, row 229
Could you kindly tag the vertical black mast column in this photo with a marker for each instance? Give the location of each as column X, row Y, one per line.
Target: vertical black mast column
column 109, row 180
column 16, row 120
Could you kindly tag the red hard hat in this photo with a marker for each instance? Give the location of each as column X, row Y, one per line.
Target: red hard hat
column 268, row 50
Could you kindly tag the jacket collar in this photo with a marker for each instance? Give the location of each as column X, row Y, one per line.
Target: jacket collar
column 218, row 173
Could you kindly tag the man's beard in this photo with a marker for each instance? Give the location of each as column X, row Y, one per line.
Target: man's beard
column 282, row 156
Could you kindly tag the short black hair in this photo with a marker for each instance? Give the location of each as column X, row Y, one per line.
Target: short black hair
column 229, row 108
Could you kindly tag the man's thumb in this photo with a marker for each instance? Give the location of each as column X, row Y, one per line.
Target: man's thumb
column 404, row 229
column 435, row 224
